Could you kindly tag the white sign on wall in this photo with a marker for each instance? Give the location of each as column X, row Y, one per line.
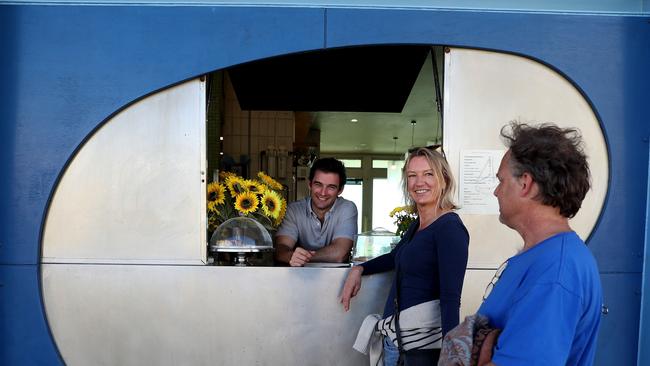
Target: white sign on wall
column 478, row 169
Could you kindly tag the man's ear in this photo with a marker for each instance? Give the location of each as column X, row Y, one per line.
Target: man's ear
column 527, row 185
column 340, row 191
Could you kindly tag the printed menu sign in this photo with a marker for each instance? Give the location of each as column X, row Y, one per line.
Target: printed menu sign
column 478, row 169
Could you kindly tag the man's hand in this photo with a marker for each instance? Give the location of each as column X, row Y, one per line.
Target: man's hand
column 351, row 287
column 338, row 251
column 485, row 354
column 300, row 256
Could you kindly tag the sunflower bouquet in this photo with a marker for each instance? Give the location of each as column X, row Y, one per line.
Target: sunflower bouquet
column 259, row 199
column 404, row 216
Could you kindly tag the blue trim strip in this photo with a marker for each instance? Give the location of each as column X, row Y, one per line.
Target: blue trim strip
column 644, row 321
column 614, row 7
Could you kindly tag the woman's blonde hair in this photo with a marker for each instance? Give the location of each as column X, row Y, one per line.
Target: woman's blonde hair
column 442, row 173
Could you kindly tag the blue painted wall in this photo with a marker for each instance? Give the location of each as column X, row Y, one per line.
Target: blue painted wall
column 66, row 69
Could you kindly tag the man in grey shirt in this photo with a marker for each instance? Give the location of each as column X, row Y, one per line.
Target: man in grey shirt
column 323, row 226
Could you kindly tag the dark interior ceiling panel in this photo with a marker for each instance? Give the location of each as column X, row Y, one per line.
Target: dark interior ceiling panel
column 361, row 79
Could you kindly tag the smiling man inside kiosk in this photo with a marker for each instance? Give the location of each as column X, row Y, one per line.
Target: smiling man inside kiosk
column 321, row 227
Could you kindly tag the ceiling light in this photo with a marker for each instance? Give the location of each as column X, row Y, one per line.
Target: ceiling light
column 393, row 166
column 413, row 122
column 354, row 120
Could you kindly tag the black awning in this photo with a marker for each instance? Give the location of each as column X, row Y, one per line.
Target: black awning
column 360, row 79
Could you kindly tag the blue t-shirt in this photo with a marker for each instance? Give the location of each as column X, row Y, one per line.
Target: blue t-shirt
column 547, row 302
column 432, row 265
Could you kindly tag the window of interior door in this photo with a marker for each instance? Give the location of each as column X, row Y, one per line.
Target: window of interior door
column 386, row 193
column 374, row 186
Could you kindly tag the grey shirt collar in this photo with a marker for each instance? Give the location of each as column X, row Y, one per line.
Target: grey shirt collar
column 310, row 211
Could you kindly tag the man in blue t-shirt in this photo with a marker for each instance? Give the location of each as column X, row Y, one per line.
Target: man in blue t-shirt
column 323, row 226
column 547, row 299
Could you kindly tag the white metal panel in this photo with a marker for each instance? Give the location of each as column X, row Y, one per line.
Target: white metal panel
column 206, row 315
column 484, row 91
column 476, row 281
column 135, row 192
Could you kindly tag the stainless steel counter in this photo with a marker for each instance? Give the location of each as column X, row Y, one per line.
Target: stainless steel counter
column 205, row 315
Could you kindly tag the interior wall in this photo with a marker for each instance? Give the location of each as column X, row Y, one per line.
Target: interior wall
column 214, row 122
column 258, row 135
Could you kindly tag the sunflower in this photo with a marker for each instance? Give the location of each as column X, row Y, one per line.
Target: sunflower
column 212, row 222
column 212, row 207
column 216, row 194
column 283, row 211
column 235, row 185
column 246, row 202
column 223, row 175
column 253, row 186
column 272, row 183
column 237, row 196
column 272, row 204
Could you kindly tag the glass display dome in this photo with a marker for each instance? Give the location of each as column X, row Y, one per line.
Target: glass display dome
column 240, row 236
column 240, row 233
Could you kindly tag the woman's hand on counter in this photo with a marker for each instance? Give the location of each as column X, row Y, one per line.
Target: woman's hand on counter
column 351, row 286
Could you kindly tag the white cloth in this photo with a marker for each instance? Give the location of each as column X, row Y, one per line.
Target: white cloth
column 420, row 327
column 369, row 340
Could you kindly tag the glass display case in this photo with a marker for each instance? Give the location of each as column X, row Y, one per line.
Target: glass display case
column 371, row 244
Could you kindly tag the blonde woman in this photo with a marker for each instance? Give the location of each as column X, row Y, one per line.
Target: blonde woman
column 429, row 264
